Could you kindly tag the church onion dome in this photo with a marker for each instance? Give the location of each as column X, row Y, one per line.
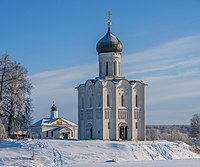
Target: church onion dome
column 109, row 43
column 54, row 108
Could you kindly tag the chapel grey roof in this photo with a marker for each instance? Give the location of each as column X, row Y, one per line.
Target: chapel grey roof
column 48, row 121
column 60, row 128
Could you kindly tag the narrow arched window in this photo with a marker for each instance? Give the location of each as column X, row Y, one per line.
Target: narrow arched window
column 122, row 100
column 136, row 100
column 99, row 100
column 82, row 102
column 119, row 68
column 115, row 68
column 90, row 101
column 100, row 68
column 47, row 134
column 108, row 100
column 106, row 68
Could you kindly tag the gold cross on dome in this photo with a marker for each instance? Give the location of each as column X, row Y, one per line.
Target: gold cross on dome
column 109, row 14
column 109, row 22
column 53, row 99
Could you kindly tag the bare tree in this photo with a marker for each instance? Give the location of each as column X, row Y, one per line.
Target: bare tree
column 175, row 135
column 2, row 132
column 195, row 126
column 153, row 134
column 168, row 132
column 15, row 102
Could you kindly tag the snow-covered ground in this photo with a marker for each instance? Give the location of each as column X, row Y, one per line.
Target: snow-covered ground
column 96, row 153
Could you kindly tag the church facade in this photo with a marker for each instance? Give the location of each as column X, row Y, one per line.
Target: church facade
column 110, row 107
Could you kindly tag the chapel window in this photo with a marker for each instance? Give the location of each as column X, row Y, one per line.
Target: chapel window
column 51, row 133
column 47, row 134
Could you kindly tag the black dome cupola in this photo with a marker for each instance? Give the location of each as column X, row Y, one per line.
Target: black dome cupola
column 54, row 108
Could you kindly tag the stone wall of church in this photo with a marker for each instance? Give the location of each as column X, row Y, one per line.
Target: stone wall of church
column 123, row 110
column 109, row 115
column 139, row 107
column 106, row 110
column 90, row 111
column 48, row 129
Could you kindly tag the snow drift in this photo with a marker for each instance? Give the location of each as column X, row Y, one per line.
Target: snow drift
column 65, row 152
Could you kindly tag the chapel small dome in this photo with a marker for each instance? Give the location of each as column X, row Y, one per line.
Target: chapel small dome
column 54, row 108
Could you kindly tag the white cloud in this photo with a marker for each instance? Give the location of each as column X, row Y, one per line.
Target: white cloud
column 172, row 71
column 169, row 88
column 182, row 47
column 181, row 53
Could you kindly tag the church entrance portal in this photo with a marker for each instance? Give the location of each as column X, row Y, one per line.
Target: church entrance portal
column 123, row 131
column 65, row 135
column 89, row 131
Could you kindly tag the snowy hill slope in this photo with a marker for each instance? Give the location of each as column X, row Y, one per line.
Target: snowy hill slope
column 62, row 152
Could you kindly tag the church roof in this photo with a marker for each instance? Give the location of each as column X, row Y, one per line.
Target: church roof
column 49, row 121
column 114, row 80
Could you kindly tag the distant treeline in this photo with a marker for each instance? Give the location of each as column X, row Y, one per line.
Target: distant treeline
column 168, row 128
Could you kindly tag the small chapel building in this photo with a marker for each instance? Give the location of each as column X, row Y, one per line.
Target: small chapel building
column 53, row 127
column 110, row 107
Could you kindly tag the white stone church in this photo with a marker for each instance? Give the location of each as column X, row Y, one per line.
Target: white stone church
column 53, row 127
column 110, row 107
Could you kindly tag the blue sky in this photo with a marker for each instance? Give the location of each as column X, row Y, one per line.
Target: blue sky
column 56, row 41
